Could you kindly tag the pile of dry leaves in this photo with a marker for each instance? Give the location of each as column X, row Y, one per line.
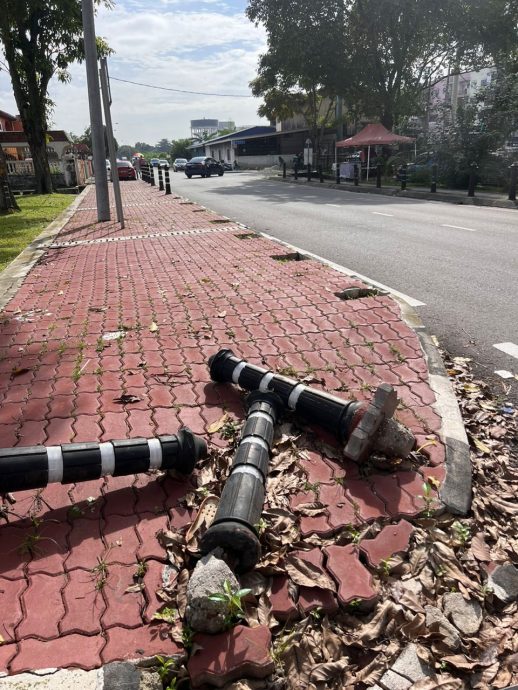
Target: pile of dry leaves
column 448, row 556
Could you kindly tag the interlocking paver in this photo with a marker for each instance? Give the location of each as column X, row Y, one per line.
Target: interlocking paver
column 42, row 606
column 204, row 291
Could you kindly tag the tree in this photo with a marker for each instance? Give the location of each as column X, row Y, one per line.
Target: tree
column 86, row 138
column 7, row 200
column 163, row 146
column 142, row 147
column 379, row 55
column 40, row 39
column 125, row 151
column 179, row 148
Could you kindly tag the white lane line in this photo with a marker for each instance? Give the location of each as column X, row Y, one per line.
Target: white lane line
column 458, row 227
column 508, row 348
column 378, row 213
column 334, row 205
column 347, row 271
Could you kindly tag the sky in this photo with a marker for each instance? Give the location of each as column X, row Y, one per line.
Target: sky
column 198, row 45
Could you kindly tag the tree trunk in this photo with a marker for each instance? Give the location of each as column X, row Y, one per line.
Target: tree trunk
column 7, row 200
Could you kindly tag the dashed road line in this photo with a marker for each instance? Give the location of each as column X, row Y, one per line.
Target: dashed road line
column 378, row 213
column 508, row 348
column 458, row 227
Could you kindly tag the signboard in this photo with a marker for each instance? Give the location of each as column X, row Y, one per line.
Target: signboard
column 308, row 153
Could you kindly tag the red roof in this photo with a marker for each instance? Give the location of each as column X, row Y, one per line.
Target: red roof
column 7, row 116
column 21, row 138
column 374, row 135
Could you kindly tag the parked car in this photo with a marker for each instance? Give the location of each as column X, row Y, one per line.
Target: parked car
column 204, row 166
column 126, row 171
column 179, row 164
column 155, row 162
column 163, row 163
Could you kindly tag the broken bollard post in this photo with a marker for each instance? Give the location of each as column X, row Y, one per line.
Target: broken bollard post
column 361, row 427
column 234, row 528
column 36, row 466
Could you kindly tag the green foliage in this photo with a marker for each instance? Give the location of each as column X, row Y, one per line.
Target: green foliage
column 179, row 149
column 40, row 39
column 232, row 600
column 165, row 667
column 86, row 139
column 167, row 614
column 462, row 532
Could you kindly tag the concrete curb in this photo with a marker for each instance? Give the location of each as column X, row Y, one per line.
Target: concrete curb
column 118, row 675
column 457, row 199
column 455, row 491
column 14, row 274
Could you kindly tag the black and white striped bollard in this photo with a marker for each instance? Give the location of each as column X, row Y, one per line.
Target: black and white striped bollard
column 160, row 180
column 167, row 182
column 234, row 528
column 359, row 426
column 36, row 466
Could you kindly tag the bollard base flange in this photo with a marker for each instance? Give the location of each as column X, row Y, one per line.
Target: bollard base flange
column 238, row 541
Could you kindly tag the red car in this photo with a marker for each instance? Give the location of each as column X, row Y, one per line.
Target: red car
column 126, row 171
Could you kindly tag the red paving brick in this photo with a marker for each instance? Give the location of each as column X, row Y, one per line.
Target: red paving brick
column 354, row 580
column 298, row 321
column 391, row 540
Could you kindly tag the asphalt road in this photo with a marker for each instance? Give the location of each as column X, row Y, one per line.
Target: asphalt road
column 461, row 262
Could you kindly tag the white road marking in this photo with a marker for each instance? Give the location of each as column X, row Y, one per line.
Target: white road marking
column 508, row 348
column 458, row 227
column 504, row 374
column 378, row 213
column 335, row 205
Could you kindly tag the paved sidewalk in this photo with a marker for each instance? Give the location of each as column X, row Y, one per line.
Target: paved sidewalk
column 179, row 283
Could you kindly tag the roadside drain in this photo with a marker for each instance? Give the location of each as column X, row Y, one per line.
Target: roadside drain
column 247, row 236
column 359, row 293
column 295, row 256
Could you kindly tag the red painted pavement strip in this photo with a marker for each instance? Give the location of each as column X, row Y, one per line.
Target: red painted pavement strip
column 203, row 292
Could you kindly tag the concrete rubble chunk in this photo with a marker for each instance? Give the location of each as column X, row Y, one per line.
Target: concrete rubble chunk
column 409, row 665
column 466, row 616
column 60, row 680
column 504, row 583
column 394, row 439
column 436, row 619
column 150, row 680
column 209, row 576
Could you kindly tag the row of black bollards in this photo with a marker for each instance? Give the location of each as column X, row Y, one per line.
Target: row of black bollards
column 164, row 180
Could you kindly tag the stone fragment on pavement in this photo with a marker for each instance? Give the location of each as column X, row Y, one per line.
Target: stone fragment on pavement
column 504, row 583
column 237, row 653
column 409, row 665
column 394, row 440
column 69, row 679
column 436, row 621
column 393, row 681
column 209, row 577
column 466, row 616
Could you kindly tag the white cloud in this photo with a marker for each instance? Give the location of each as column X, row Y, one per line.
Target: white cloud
column 214, row 49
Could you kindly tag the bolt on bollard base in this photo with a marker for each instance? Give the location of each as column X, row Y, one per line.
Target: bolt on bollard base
column 354, row 424
column 36, row 466
column 242, row 500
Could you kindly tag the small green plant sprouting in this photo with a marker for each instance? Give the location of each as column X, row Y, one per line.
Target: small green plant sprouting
column 99, row 346
column 315, row 487
column 369, row 344
column 167, row 614
column 61, row 348
column 397, row 353
column 29, row 546
column 261, row 526
column 230, row 333
column 316, row 614
column 75, row 512
column 428, row 499
column 354, row 534
column 232, row 600
column 462, row 532
column 187, row 636
column 355, row 604
column 229, row 430
column 384, row 567
column 339, row 480
column 165, row 669
column 100, row 574
column 141, row 569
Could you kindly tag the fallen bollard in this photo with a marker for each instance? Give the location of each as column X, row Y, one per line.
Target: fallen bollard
column 241, row 504
column 36, row 466
column 361, row 427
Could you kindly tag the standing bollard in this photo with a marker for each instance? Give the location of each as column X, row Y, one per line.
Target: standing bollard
column 404, row 171
column 512, row 183
column 284, row 171
column 36, row 466
column 337, row 172
column 296, row 170
column 472, row 179
column 309, row 172
column 160, row 180
column 234, row 528
column 359, row 426
column 143, row 172
column 320, row 173
column 356, row 175
column 167, row 182
column 433, row 185
column 152, row 174
column 378, row 176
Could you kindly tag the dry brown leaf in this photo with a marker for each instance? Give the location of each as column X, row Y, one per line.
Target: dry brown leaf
column 442, row 681
column 385, row 612
column 216, row 426
column 329, row 670
column 306, row 574
column 479, row 548
column 181, row 591
column 459, row 661
column 310, row 509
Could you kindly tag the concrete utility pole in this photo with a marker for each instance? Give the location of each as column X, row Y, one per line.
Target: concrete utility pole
column 96, row 115
column 107, row 101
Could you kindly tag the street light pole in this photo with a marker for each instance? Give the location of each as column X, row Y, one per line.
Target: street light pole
column 107, row 101
column 96, row 117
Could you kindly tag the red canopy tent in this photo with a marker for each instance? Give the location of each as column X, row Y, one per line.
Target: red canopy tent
column 373, row 135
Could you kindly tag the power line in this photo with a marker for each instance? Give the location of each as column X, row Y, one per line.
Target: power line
column 196, row 93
